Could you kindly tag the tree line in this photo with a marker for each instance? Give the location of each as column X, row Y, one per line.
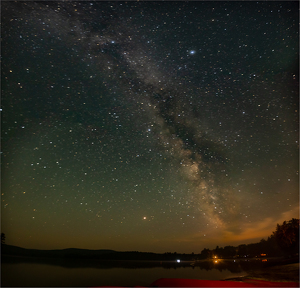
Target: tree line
column 284, row 241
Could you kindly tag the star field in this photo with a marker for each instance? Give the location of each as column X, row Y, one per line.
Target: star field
column 152, row 126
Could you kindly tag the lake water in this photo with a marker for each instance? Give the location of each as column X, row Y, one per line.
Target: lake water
column 22, row 272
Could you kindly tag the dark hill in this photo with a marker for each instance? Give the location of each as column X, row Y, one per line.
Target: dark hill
column 102, row 254
column 63, row 253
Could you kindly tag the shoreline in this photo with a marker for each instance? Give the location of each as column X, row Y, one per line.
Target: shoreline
column 278, row 273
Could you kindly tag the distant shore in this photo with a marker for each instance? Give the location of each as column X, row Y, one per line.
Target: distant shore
column 251, row 267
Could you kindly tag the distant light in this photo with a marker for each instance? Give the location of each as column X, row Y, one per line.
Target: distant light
column 178, row 260
column 192, row 52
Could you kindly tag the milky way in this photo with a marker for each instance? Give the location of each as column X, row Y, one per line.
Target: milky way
column 169, row 110
column 121, row 113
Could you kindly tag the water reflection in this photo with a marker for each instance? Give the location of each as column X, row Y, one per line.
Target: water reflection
column 135, row 264
column 22, row 271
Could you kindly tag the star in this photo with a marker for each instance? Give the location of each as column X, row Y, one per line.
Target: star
column 121, row 117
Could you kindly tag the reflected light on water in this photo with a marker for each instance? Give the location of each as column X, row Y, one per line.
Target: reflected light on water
column 40, row 275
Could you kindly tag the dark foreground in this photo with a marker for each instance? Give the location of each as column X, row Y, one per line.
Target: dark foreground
column 276, row 276
column 281, row 273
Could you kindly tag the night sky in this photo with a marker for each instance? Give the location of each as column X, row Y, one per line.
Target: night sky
column 149, row 126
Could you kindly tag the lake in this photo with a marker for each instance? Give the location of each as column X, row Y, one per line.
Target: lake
column 19, row 271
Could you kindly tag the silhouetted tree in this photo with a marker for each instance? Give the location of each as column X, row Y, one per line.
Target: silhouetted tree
column 287, row 236
column 206, row 253
column 229, row 251
column 2, row 238
column 272, row 248
column 253, row 249
column 218, row 252
column 285, row 240
column 242, row 250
